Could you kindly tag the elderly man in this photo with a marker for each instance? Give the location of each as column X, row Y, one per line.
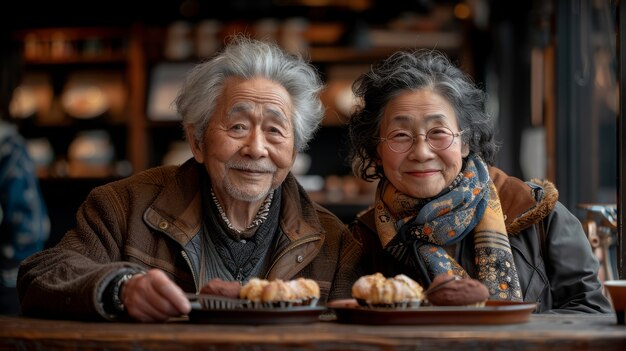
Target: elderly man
column 232, row 212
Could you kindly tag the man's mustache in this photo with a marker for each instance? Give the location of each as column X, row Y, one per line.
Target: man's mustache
column 252, row 166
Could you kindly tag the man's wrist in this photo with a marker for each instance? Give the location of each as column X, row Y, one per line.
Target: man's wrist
column 116, row 297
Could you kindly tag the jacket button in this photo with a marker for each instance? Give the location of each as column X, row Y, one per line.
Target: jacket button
column 163, row 225
column 299, row 259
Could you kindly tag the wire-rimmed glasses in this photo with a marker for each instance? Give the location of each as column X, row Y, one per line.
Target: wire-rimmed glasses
column 437, row 138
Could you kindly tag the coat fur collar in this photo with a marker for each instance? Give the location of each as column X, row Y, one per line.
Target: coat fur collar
column 523, row 203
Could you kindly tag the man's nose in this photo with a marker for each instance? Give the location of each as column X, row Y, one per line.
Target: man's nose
column 256, row 144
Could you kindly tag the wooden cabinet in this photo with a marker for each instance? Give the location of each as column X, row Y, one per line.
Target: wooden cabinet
column 83, row 92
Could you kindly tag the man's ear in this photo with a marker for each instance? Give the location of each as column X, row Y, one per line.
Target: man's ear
column 194, row 145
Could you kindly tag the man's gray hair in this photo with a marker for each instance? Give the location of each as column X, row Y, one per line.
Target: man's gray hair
column 248, row 58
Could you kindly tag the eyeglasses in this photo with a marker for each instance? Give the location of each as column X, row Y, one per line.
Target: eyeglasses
column 438, row 138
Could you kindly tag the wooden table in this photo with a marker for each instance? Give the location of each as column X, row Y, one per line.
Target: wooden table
column 541, row 332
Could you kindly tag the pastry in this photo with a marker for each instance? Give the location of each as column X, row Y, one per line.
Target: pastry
column 253, row 289
column 278, row 292
column 447, row 291
column 304, row 289
column 362, row 287
column 377, row 291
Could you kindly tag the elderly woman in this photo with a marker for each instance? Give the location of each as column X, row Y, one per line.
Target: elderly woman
column 231, row 213
column 442, row 208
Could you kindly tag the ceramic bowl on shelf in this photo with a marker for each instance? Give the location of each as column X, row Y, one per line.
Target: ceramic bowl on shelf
column 91, row 154
column 41, row 152
column 84, row 101
column 24, row 102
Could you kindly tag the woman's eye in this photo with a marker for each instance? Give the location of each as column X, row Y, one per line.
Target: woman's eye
column 400, row 136
column 439, row 131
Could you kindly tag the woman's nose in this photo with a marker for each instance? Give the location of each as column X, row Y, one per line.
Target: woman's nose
column 420, row 149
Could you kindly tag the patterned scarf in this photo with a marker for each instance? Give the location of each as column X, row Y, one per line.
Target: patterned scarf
column 415, row 231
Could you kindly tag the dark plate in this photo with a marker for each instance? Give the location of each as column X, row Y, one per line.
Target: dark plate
column 494, row 312
column 257, row 316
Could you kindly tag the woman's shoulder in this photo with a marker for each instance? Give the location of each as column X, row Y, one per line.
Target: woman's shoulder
column 523, row 203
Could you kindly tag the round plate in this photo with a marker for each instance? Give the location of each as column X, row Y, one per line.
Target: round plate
column 85, row 101
column 257, row 315
column 24, row 102
column 494, row 312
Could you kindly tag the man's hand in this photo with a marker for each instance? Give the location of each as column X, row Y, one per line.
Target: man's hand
column 153, row 297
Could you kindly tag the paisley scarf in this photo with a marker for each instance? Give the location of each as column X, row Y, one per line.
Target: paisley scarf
column 415, row 231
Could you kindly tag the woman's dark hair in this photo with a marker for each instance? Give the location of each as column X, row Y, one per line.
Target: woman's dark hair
column 415, row 70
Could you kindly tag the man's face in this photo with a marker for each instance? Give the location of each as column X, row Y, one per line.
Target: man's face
column 248, row 147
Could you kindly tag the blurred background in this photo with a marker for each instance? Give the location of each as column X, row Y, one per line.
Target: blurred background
column 99, row 78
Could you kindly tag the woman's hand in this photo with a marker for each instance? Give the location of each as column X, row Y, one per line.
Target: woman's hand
column 221, row 287
column 153, row 297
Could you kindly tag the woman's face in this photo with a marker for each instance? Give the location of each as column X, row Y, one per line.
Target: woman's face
column 420, row 172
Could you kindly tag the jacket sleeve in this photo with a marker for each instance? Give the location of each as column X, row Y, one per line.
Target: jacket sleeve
column 348, row 268
column 571, row 266
column 68, row 279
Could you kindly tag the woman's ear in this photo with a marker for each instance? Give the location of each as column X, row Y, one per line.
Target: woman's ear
column 194, row 145
column 465, row 149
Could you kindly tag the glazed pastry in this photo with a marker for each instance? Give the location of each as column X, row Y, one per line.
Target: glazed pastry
column 456, row 292
column 277, row 290
column 304, row 289
column 362, row 287
column 376, row 290
column 253, row 289
column 415, row 290
column 296, row 291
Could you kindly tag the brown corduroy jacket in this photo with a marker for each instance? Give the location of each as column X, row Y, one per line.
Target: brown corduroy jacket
column 146, row 221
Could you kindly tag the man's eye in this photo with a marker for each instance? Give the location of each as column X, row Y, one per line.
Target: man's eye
column 274, row 130
column 238, row 130
column 238, row 127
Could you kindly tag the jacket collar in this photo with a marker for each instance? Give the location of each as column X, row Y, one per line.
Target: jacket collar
column 298, row 213
column 523, row 204
column 177, row 209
